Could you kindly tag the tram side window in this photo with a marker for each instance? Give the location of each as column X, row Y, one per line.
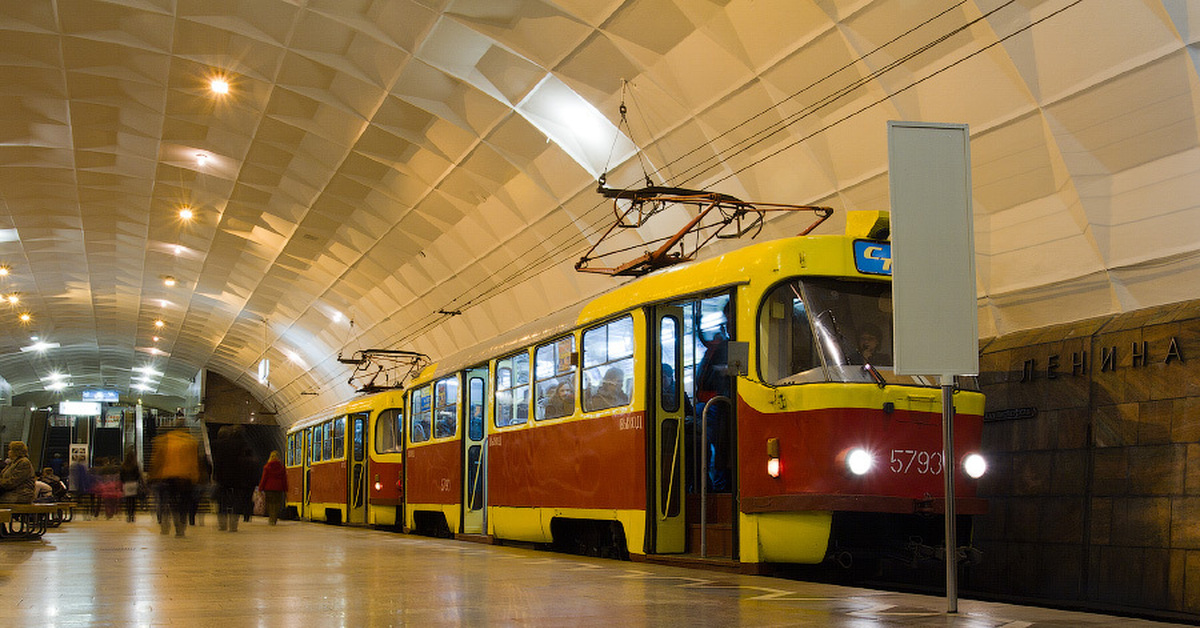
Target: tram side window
column 608, row 364
column 421, row 410
column 388, row 427
column 445, row 407
column 554, row 378
column 314, row 447
column 512, row 390
column 337, row 438
column 327, row 441
column 786, row 351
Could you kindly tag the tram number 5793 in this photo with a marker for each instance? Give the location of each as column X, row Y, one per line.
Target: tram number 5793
column 917, row 461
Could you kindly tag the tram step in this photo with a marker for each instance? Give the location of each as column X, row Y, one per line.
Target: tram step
column 719, row 539
column 720, row 508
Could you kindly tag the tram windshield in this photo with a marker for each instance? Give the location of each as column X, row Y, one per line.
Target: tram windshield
column 824, row 329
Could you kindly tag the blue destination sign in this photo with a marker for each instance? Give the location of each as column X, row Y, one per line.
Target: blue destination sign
column 873, row 258
column 110, row 396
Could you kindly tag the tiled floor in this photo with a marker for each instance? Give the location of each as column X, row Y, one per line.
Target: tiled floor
column 112, row 573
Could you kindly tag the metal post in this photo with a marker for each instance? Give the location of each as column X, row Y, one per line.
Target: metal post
column 949, row 470
column 704, row 479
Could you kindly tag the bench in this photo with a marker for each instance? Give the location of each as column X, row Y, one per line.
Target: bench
column 27, row 521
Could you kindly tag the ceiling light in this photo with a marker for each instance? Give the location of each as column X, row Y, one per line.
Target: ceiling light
column 148, row 370
column 219, row 86
column 186, row 213
column 142, row 387
column 201, row 159
column 57, row 385
column 53, row 376
column 155, row 338
column 159, row 323
column 168, row 281
column 26, row 317
column 40, row 346
column 4, row 271
column 14, row 298
column 178, row 249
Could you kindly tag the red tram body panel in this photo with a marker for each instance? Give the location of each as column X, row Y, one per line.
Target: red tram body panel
column 592, row 463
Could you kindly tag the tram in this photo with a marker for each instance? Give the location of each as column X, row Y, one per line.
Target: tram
column 345, row 465
column 741, row 407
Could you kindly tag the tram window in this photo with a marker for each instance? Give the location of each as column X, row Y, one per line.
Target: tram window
column 785, row 342
column 337, row 438
column 314, row 444
column 554, row 373
column 608, row 364
column 475, row 423
column 327, row 441
column 445, row 407
column 512, row 390
column 388, row 427
column 421, row 411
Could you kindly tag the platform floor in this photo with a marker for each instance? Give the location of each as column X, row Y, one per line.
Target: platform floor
column 113, row 573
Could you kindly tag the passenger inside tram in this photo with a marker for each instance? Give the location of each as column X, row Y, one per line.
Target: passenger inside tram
column 611, row 392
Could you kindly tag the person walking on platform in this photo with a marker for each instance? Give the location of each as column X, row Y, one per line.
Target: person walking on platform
column 175, row 466
column 131, row 482
column 274, row 486
column 16, row 480
column 234, row 474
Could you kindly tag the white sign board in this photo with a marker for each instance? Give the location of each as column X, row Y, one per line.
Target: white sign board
column 933, row 250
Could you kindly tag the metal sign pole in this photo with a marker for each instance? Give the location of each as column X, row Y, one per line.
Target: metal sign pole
column 949, row 469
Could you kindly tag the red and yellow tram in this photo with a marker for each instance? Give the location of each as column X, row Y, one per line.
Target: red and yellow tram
column 345, row 465
column 741, row 407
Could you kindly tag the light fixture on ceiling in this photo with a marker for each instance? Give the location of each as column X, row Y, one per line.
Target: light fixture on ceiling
column 4, row 271
column 40, row 346
column 186, row 213
column 13, row 298
column 169, row 281
column 26, row 317
column 202, row 159
column 146, row 370
column 159, row 324
column 178, row 249
column 155, row 338
column 218, row 85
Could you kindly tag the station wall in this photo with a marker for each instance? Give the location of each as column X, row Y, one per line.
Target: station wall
column 1093, row 431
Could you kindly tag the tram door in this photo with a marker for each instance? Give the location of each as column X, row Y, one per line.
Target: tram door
column 356, row 504
column 667, row 456
column 474, row 475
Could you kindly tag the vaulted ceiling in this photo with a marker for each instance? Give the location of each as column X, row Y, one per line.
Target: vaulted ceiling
column 377, row 162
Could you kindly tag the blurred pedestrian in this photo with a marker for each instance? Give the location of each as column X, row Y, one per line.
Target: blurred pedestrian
column 175, row 466
column 131, row 483
column 233, row 475
column 274, row 486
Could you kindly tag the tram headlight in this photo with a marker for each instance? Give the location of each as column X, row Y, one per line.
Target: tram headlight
column 378, row 486
column 974, row 465
column 859, row 461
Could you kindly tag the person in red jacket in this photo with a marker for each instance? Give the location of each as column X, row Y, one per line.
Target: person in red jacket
column 273, row 485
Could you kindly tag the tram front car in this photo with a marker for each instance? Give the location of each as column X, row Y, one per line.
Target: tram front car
column 839, row 457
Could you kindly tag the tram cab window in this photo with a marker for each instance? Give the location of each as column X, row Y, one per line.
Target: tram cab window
column 554, row 378
column 445, row 407
column 512, row 390
column 828, row 329
column 421, row 410
column 608, row 375
column 388, row 428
